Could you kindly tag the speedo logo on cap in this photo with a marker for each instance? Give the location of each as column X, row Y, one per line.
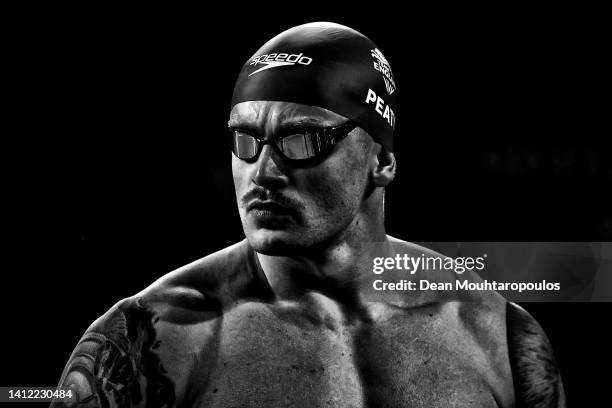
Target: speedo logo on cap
column 278, row 60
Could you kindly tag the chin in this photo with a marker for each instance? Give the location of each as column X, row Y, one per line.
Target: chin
column 274, row 243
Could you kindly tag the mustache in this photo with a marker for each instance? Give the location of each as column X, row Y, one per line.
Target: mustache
column 264, row 194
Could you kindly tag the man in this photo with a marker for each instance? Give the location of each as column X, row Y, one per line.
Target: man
column 290, row 316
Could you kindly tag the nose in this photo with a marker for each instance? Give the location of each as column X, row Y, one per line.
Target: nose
column 268, row 171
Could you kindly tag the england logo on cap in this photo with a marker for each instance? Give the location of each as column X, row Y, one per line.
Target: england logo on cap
column 382, row 65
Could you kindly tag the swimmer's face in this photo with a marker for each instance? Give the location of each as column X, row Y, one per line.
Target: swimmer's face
column 286, row 208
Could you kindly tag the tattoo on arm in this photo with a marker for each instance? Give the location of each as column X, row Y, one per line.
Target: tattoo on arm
column 115, row 364
column 537, row 380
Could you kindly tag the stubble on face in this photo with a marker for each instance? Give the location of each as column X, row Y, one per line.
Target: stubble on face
column 322, row 200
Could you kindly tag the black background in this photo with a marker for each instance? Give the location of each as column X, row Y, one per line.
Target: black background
column 116, row 168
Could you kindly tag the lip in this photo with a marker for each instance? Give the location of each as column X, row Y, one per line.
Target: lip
column 268, row 207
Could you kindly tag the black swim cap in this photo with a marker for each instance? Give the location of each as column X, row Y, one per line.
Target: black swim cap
column 326, row 65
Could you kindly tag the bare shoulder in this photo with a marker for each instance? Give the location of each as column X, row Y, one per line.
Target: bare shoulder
column 203, row 286
column 515, row 342
column 114, row 364
column 141, row 351
column 537, row 380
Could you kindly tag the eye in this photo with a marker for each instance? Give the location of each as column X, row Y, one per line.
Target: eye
column 245, row 145
column 303, row 145
column 295, row 146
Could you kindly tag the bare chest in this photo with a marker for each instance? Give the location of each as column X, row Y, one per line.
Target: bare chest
column 262, row 357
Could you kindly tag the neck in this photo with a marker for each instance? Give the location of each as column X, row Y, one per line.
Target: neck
column 339, row 268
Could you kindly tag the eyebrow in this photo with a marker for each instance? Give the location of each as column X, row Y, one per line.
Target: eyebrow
column 294, row 123
column 302, row 122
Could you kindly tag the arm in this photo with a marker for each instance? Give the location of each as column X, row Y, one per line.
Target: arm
column 115, row 365
column 537, row 380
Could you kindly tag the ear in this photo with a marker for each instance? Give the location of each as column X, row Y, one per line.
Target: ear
column 383, row 171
